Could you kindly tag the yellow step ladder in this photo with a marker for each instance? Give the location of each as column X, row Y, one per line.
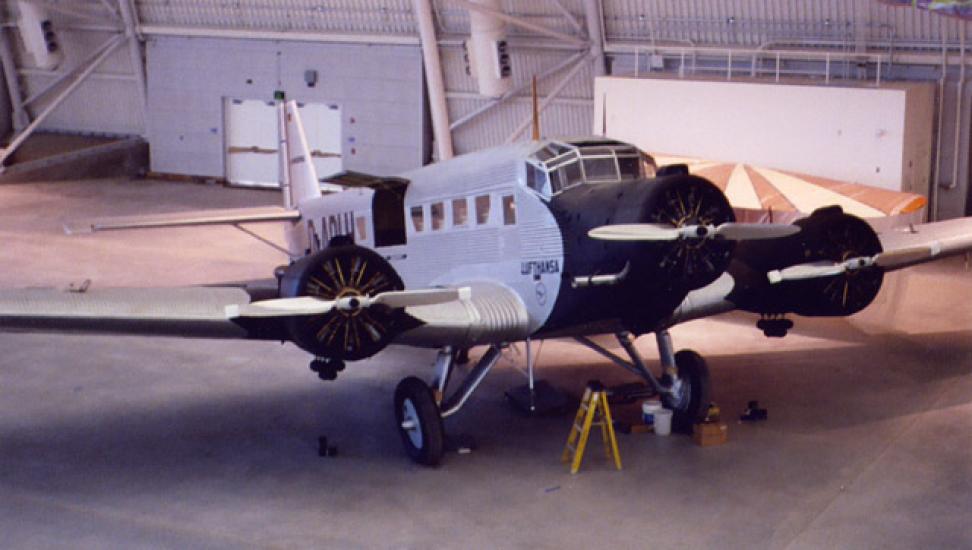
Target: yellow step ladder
column 593, row 404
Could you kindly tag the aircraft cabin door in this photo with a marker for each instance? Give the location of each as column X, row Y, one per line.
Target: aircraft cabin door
column 388, row 213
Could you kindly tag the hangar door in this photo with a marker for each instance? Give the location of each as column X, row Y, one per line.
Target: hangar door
column 250, row 130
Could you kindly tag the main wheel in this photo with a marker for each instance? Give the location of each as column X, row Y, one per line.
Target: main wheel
column 419, row 421
column 691, row 403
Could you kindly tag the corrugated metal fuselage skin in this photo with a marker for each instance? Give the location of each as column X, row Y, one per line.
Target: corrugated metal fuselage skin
column 525, row 254
column 537, row 256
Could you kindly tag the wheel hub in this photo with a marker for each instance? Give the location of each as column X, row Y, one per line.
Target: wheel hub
column 680, row 394
column 410, row 423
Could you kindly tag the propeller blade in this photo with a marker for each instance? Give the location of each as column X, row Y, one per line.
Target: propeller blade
column 665, row 232
column 806, row 271
column 410, row 298
column 753, row 231
column 309, row 305
column 636, row 232
column 905, row 256
column 281, row 307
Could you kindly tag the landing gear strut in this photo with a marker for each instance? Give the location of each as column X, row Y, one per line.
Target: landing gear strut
column 420, row 409
column 683, row 385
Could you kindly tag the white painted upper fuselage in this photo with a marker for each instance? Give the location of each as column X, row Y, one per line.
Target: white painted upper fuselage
column 469, row 219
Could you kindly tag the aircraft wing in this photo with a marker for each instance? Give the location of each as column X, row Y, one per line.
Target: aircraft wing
column 201, row 217
column 474, row 314
column 185, row 311
column 915, row 245
column 928, row 241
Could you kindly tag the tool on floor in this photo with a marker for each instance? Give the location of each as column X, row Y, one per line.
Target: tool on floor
column 711, row 431
column 753, row 412
column 323, row 449
column 593, row 404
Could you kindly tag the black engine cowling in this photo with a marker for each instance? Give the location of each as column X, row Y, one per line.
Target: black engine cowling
column 340, row 272
column 827, row 235
column 658, row 275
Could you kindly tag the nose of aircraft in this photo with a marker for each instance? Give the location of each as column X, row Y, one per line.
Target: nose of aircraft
column 691, row 202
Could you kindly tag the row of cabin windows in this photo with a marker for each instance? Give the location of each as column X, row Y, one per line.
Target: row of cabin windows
column 460, row 213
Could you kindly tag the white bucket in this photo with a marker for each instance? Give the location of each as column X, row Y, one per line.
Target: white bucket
column 663, row 422
column 648, row 410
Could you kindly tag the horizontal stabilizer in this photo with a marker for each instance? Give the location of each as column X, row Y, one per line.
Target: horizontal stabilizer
column 198, row 217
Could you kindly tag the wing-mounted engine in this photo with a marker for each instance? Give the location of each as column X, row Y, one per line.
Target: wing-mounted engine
column 346, row 276
column 633, row 249
column 832, row 267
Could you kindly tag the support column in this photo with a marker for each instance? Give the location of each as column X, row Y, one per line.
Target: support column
column 23, row 135
column 595, row 32
column 433, row 78
column 135, row 52
column 20, row 118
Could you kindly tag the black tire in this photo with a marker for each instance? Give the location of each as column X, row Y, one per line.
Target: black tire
column 425, row 440
column 691, row 406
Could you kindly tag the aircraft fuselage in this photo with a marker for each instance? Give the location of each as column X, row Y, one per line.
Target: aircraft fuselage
column 477, row 218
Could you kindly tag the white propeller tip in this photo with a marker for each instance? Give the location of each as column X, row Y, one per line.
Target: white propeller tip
column 775, row 277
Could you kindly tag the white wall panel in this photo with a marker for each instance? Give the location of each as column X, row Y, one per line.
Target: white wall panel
column 378, row 89
column 848, row 134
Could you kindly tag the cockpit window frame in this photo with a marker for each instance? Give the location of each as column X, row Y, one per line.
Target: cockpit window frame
column 557, row 166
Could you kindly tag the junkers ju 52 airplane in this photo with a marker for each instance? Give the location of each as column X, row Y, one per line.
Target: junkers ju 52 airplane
column 540, row 239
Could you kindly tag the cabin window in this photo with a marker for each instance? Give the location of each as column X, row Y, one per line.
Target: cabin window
column 361, row 228
column 460, row 212
column 418, row 219
column 509, row 210
column 482, row 209
column 437, row 213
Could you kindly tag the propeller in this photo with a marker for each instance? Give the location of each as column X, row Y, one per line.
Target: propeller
column 310, row 305
column 660, row 232
column 886, row 260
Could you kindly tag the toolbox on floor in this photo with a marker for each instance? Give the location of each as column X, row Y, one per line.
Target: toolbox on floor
column 708, row 434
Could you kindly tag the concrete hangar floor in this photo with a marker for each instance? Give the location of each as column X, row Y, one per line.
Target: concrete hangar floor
column 134, row 442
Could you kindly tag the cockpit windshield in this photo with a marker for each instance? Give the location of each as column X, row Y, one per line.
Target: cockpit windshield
column 559, row 166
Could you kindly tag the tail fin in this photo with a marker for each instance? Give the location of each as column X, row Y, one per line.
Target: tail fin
column 298, row 178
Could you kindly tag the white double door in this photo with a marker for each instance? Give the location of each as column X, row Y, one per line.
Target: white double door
column 250, row 130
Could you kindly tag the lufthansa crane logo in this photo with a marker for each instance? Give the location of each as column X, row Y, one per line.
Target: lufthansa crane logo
column 541, row 292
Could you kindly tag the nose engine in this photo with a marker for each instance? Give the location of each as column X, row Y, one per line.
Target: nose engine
column 699, row 254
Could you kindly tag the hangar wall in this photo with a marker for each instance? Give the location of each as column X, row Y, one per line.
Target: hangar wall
column 188, row 78
column 915, row 45
column 105, row 104
column 861, row 134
